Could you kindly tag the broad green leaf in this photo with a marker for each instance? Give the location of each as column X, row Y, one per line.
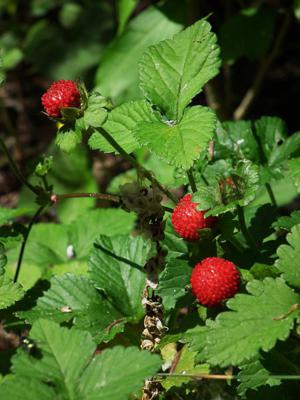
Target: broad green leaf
column 184, row 366
column 172, row 72
column 287, row 223
column 117, row 372
column 288, row 258
column 103, row 221
column 247, row 35
column 294, row 171
column 285, row 150
column 172, row 282
column 68, row 368
column 94, row 116
column 182, row 142
column 253, row 375
column 116, row 267
column 120, row 124
column 255, row 322
column 68, row 139
column 10, row 292
column 124, row 10
column 117, row 76
column 73, row 297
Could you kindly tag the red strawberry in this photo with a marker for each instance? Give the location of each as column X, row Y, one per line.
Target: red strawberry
column 63, row 93
column 214, row 280
column 188, row 221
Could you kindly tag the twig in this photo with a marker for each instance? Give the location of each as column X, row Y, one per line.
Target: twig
column 191, row 180
column 24, row 241
column 251, row 93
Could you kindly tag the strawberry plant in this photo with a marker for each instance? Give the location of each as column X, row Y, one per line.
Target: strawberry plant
column 187, row 286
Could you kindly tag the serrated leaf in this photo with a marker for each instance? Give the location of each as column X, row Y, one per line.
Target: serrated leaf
column 68, row 368
column 10, row 292
column 117, row 76
column 120, row 124
column 288, row 222
column 172, row 72
column 3, row 258
column 118, row 372
column 73, row 297
column 287, row 263
column 184, row 141
column 67, row 139
column 94, row 116
column 285, row 150
column 253, row 375
column 271, row 131
column 108, row 221
column 116, row 267
column 172, row 282
column 255, row 322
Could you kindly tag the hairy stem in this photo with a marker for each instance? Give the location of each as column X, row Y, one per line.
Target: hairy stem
column 135, row 163
column 15, row 169
column 24, row 241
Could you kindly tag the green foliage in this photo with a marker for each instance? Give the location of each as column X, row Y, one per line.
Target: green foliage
column 69, row 369
column 174, row 71
column 67, row 138
column 233, row 339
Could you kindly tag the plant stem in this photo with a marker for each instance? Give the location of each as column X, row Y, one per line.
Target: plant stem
column 135, row 163
column 191, row 180
column 271, row 194
column 244, row 228
column 101, row 196
column 24, row 241
column 15, row 169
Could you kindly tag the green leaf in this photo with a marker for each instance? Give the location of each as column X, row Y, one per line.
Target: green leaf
column 288, row 258
column 67, row 139
column 120, row 124
column 73, row 297
column 287, row 223
column 256, row 321
column 174, row 71
column 297, row 9
column 184, row 366
column 247, row 35
column 10, row 292
column 3, row 259
column 294, row 171
column 68, row 368
column 172, row 282
column 124, row 10
column 105, row 221
column 8, row 214
column 184, row 141
column 94, row 116
column 117, row 372
column 117, row 76
column 116, row 267
column 253, row 375
column 284, row 151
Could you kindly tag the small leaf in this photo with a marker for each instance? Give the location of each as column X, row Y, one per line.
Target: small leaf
column 120, row 124
column 173, row 71
column 172, row 282
column 184, row 141
column 294, row 171
column 256, row 321
column 67, row 139
column 287, row 223
column 253, row 375
column 288, row 258
column 124, row 10
column 10, row 292
column 95, row 116
column 285, row 150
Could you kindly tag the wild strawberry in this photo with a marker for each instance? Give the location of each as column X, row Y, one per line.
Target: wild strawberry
column 214, row 280
column 188, row 221
column 63, row 93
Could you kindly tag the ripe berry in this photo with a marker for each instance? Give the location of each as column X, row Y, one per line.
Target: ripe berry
column 214, row 280
column 63, row 93
column 188, row 221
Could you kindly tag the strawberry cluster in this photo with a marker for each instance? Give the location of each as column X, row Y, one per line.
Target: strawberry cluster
column 63, row 93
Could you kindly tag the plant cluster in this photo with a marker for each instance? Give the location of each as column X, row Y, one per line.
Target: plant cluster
column 189, row 279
